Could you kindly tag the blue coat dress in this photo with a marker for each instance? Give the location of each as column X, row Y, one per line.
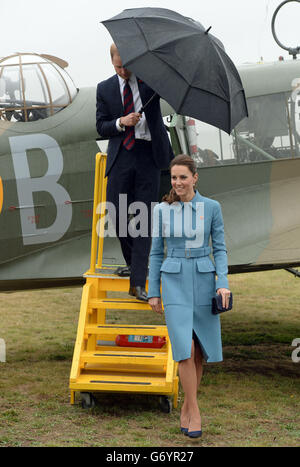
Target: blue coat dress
column 188, row 274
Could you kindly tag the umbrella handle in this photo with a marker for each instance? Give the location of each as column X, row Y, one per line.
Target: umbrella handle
column 148, row 102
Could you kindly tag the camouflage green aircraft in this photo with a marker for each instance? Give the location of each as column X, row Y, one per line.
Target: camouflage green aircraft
column 48, row 143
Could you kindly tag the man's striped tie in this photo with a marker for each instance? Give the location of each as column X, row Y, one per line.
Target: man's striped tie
column 128, row 108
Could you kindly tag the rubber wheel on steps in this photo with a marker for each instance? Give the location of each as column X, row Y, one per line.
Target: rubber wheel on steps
column 87, row 400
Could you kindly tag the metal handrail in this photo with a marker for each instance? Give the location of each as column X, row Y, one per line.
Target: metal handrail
column 98, row 217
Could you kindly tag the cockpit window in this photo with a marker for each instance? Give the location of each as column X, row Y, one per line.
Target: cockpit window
column 33, row 87
column 272, row 131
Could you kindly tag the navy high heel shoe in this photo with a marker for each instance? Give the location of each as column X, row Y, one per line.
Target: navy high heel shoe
column 182, row 429
column 194, row 434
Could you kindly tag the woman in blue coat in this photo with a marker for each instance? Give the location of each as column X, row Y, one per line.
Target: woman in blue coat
column 187, row 221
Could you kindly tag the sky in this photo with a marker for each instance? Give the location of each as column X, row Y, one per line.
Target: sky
column 72, row 29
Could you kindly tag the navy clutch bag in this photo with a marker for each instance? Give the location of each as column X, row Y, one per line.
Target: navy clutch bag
column 217, row 304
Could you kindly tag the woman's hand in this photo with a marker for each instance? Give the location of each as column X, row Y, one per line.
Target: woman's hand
column 155, row 303
column 225, row 296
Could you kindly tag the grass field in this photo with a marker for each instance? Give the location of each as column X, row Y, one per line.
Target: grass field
column 250, row 399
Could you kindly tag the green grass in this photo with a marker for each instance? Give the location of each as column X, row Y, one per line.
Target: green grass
column 250, row 399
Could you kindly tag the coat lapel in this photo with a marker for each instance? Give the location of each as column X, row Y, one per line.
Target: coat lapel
column 145, row 92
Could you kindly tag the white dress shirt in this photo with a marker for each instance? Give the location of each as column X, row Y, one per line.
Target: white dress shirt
column 141, row 128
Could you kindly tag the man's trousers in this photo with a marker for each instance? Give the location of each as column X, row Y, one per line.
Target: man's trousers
column 134, row 174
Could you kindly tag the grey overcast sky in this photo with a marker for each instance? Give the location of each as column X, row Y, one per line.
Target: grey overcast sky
column 71, row 29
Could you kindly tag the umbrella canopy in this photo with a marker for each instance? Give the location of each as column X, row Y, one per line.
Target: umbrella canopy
column 182, row 62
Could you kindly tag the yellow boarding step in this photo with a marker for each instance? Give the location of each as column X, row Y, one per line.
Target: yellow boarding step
column 99, row 364
column 129, row 330
column 117, row 303
column 115, row 382
column 124, row 357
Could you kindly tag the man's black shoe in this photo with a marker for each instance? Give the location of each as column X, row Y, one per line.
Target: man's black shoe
column 123, row 271
column 139, row 292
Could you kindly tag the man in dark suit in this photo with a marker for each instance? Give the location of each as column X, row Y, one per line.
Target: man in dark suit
column 138, row 149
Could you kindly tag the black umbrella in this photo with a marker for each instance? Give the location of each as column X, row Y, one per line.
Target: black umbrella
column 182, row 62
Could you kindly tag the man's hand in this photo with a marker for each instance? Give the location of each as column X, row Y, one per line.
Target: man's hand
column 131, row 119
column 155, row 303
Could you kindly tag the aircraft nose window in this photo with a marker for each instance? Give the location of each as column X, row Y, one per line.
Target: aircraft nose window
column 33, row 87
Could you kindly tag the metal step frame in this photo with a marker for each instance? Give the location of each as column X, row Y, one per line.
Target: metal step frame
column 99, row 365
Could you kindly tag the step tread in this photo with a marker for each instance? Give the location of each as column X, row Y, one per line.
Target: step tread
column 119, row 352
column 121, row 303
column 120, row 356
column 121, row 378
column 117, row 299
column 104, row 329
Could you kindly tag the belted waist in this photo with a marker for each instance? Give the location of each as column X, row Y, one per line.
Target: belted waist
column 189, row 252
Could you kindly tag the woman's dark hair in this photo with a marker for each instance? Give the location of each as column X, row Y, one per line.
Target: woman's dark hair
column 187, row 161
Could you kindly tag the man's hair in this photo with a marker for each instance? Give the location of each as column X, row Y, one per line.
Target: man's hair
column 113, row 51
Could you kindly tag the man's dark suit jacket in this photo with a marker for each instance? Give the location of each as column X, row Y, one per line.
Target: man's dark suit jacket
column 110, row 108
